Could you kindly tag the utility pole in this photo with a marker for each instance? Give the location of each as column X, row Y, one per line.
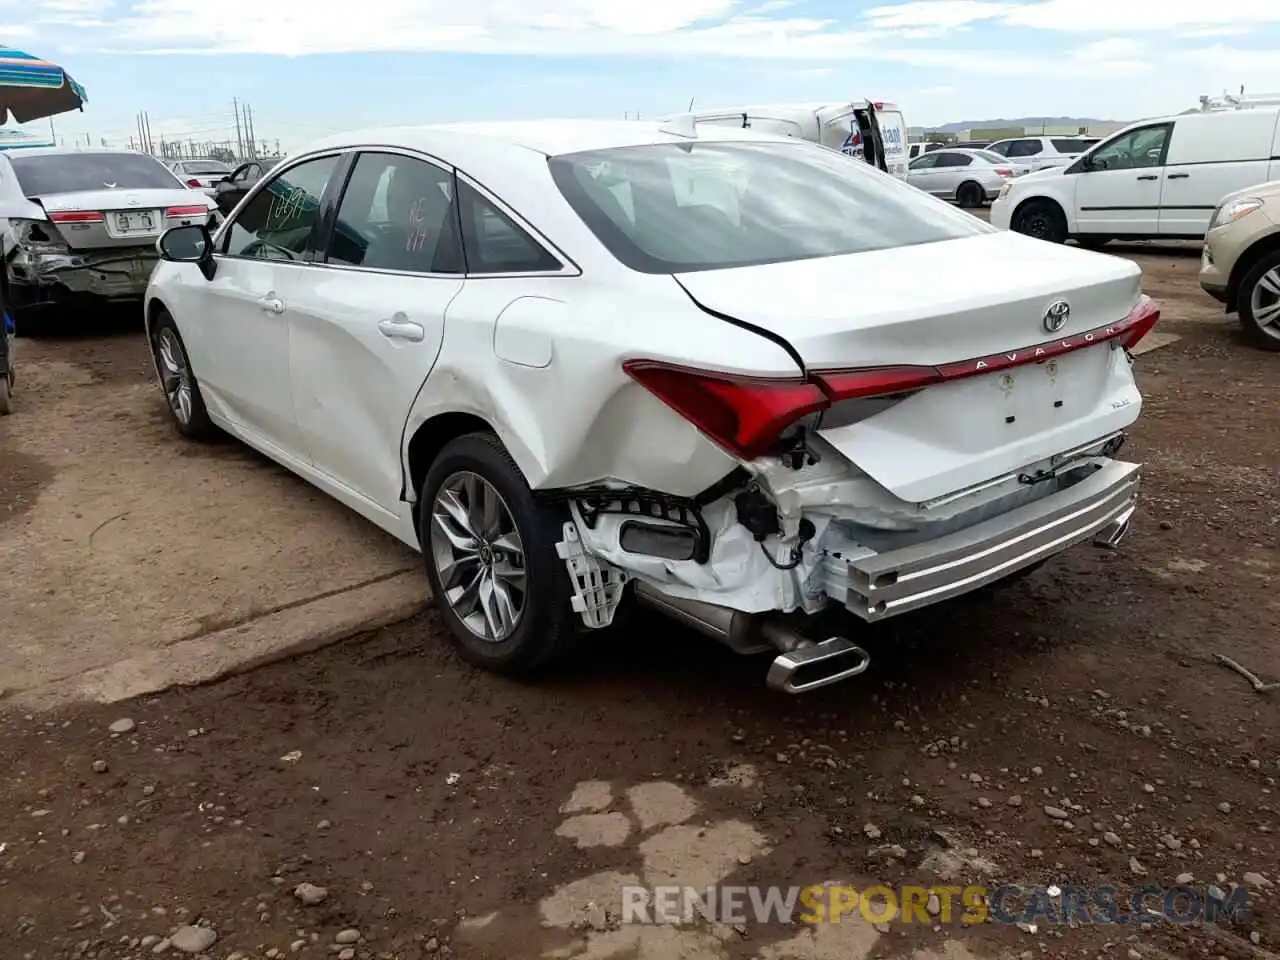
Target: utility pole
column 235, row 106
column 146, row 122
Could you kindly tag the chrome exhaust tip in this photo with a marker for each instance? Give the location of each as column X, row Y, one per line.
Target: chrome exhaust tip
column 815, row 665
column 1109, row 537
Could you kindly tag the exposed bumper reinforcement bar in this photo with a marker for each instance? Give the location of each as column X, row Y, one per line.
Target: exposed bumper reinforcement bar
column 1098, row 508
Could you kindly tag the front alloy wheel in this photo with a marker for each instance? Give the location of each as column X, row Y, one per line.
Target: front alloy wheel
column 175, row 376
column 1260, row 304
column 479, row 556
column 178, row 381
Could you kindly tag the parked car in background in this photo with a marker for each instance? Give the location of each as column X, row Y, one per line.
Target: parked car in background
column 1037, row 153
column 80, row 226
column 919, row 148
column 1240, row 264
column 870, row 130
column 657, row 383
column 1154, row 179
column 969, row 177
column 231, row 189
column 202, row 175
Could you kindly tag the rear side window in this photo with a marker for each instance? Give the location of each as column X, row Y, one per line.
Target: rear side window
column 1068, row 146
column 494, row 243
column 68, row 172
column 397, row 213
column 954, row 160
column 1024, row 148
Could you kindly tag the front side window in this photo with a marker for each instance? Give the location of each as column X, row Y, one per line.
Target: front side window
column 927, row 162
column 1001, row 148
column 673, row 208
column 1134, row 150
column 42, row 174
column 277, row 223
column 397, row 213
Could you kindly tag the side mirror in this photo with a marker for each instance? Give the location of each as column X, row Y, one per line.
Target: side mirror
column 189, row 243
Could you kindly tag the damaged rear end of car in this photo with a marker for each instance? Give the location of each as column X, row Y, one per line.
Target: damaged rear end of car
column 954, row 418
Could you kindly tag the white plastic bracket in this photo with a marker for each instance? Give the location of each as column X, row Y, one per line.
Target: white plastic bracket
column 597, row 587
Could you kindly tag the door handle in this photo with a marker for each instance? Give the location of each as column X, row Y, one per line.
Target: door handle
column 1148, row 176
column 1179, row 176
column 402, row 330
column 271, row 305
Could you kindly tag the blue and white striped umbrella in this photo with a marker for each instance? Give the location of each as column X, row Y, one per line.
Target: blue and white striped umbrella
column 31, row 88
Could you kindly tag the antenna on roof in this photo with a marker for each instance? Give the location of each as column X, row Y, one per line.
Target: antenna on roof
column 681, row 125
column 691, row 99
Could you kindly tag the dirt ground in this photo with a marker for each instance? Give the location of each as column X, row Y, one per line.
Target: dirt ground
column 222, row 555
column 1074, row 729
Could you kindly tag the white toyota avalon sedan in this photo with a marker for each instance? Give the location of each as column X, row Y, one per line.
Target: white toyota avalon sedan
column 735, row 377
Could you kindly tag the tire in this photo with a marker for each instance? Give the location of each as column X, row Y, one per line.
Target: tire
column 189, row 417
column 970, row 194
column 545, row 627
column 1259, row 303
column 5, row 408
column 1042, row 219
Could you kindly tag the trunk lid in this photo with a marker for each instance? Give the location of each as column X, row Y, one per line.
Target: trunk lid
column 937, row 304
column 103, row 219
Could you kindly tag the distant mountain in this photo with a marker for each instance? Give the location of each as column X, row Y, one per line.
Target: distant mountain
column 963, row 125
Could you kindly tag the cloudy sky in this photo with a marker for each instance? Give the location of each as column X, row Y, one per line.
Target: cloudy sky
column 308, row 67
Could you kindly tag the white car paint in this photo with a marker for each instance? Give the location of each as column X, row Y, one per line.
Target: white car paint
column 946, row 470
column 1188, row 163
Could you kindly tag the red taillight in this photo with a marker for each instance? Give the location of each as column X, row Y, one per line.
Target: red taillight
column 874, row 381
column 174, row 213
column 745, row 415
column 193, row 182
column 77, row 216
column 1004, row 172
column 1140, row 320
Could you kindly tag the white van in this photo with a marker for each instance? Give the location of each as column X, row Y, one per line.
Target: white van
column 1155, row 179
column 872, row 130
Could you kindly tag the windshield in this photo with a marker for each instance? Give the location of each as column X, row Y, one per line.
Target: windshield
column 205, row 167
column 69, row 172
column 676, row 208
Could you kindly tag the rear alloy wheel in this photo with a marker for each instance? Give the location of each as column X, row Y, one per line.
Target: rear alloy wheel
column 970, row 194
column 1260, row 303
column 181, row 390
column 1042, row 219
column 490, row 551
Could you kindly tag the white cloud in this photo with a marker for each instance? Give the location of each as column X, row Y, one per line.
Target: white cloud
column 934, row 14
column 1080, row 16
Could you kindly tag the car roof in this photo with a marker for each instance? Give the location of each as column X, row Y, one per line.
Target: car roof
column 548, row 137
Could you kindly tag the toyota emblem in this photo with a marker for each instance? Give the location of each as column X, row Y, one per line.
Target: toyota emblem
column 1056, row 317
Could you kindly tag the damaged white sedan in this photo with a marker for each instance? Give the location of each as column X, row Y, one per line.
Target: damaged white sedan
column 735, row 377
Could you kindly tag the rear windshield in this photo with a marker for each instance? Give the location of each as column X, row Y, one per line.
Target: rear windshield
column 205, row 166
column 677, row 208
column 69, row 172
column 990, row 156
